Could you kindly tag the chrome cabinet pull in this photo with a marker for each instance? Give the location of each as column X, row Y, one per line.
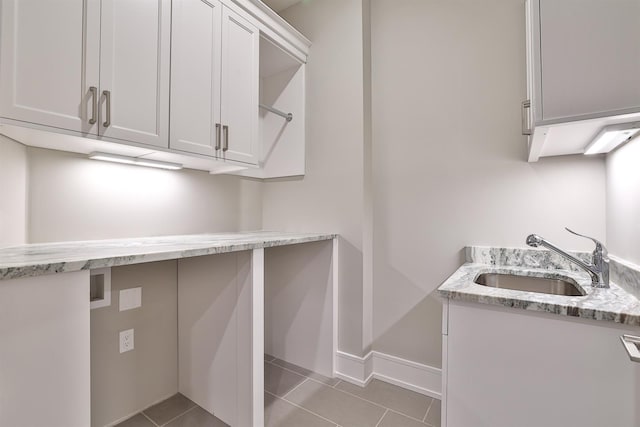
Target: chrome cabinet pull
column 526, row 128
column 217, row 136
column 107, row 122
column 632, row 345
column 94, row 110
column 225, row 129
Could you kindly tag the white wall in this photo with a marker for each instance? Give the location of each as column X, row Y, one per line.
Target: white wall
column 73, row 198
column 623, row 202
column 13, row 200
column 330, row 197
column 449, row 161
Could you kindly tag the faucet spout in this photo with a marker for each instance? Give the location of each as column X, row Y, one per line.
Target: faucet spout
column 598, row 269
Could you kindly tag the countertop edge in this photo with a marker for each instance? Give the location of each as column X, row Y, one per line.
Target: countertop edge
column 615, row 305
column 554, row 309
column 33, row 269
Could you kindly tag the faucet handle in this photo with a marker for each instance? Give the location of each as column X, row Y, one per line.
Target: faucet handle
column 600, row 248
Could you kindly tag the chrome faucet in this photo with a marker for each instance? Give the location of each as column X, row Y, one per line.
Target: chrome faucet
column 599, row 267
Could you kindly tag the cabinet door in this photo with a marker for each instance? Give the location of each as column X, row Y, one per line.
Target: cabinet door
column 509, row 367
column 590, row 53
column 49, row 62
column 240, row 78
column 134, row 70
column 195, row 76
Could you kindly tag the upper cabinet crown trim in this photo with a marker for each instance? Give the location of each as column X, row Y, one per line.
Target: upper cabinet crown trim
column 274, row 27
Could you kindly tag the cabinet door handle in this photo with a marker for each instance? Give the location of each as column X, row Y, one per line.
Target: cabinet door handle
column 94, row 105
column 526, row 107
column 217, row 136
column 107, row 122
column 632, row 345
column 225, row 129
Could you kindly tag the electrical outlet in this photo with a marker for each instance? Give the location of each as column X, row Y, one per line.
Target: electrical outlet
column 126, row 340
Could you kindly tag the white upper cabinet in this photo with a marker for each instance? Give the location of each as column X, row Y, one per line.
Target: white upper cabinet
column 172, row 80
column 239, row 96
column 196, row 42
column 134, row 70
column 214, row 83
column 583, row 71
column 590, row 57
column 94, row 67
column 48, row 64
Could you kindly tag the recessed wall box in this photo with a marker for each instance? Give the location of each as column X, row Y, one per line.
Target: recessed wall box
column 100, row 288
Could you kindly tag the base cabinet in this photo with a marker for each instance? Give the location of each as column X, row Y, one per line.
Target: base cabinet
column 508, row 367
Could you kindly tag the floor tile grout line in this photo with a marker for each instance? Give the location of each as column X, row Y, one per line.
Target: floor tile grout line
column 374, row 403
column 291, row 391
column 288, row 370
column 411, row 418
column 407, row 416
column 304, row 375
column 368, row 401
column 382, row 417
column 346, row 392
column 300, row 407
column 150, row 420
column 178, row 416
column 392, row 410
column 424, row 419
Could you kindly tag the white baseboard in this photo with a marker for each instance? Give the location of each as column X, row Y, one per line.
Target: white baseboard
column 354, row 369
column 404, row 373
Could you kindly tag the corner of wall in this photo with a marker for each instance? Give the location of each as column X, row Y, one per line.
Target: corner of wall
column 14, row 201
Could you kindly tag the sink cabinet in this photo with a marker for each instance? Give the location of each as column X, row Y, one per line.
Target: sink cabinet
column 505, row 367
column 583, row 62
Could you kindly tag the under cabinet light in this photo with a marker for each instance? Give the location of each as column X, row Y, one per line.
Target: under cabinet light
column 158, row 164
column 116, row 158
column 612, row 136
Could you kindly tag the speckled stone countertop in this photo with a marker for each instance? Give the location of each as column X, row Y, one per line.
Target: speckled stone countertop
column 40, row 259
column 618, row 304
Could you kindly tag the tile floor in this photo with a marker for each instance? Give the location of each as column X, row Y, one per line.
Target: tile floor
column 297, row 397
column 176, row 411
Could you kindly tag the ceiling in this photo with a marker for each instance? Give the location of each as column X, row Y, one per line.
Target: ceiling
column 279, row 5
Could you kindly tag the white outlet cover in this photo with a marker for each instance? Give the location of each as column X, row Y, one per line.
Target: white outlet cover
column 126, row 341
column 130, row 298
